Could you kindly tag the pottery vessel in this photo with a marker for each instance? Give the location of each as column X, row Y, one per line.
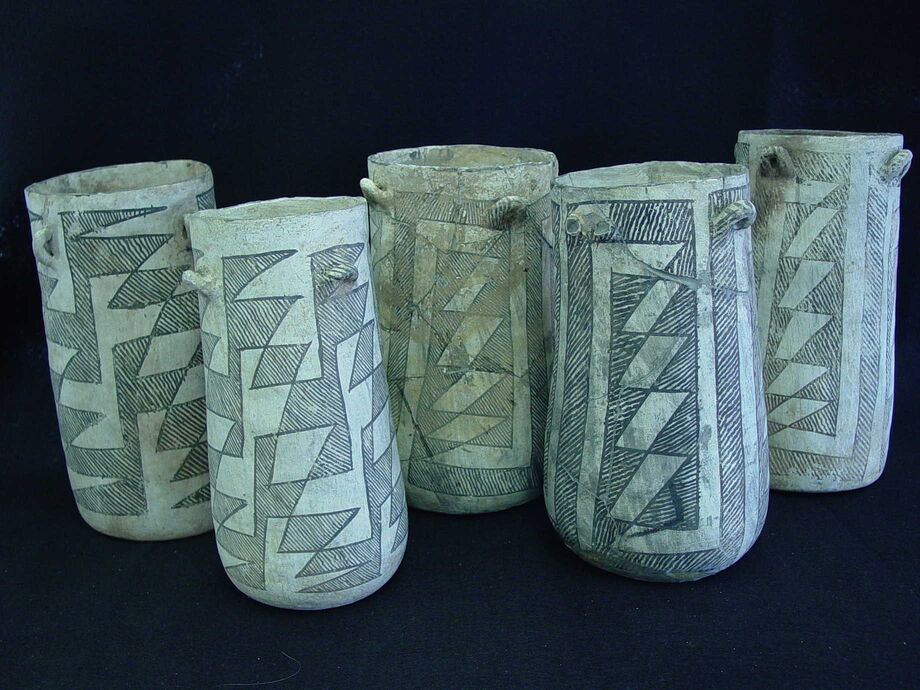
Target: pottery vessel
column 656, row 463
column 457, row 234
column 308, row 501
column 123, row 343
column 825, row 257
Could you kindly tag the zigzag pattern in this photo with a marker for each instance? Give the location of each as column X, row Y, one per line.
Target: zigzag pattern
column 120, row 490
column 648, row 477
column 312, row 441
column 143, row 288
column 805, row 334
column 805, row 323
column 652, row 367
column 463, row 400
column 91, row 257
column 467, row 396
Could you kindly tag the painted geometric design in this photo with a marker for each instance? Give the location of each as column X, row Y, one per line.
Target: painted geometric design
column 279, row 365
column 463, row 341
column 576, row 323
column 283, row 431
column 805, row 333
column 732, row 299
column 651, row 421
column 639, row 279
column 206, row 200
column 117, row 318
column 808, row 304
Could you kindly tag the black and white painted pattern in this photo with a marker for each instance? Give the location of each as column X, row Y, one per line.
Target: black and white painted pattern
column 656, row 451
column 460, row 292
column 124, row 351
column 309, row 508
column 825, row 250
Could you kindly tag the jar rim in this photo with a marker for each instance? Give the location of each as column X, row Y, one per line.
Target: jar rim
column 462, row 157
column 283, row 207
column 121, row 178
column 650, row 173
column 824, row 133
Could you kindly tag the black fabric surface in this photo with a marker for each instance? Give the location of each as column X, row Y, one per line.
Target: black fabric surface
column 289, row 100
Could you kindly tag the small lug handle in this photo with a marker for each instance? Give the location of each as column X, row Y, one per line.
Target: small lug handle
column 738, row 215
column 775, row 161
column 511, row 209
column 375, row 194
column 204, row 283
column 41, row 240
column 586, row 223
column 896, row 167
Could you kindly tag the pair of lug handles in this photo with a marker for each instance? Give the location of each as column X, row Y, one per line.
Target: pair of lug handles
column 775, row 161
column 208, row 286
column 508, row 209
column 735, row 216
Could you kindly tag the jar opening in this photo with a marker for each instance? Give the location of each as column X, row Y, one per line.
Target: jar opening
column 829, row 133
column 464, row 156
column 652, row 173
column 122, row 178
column 280, row 208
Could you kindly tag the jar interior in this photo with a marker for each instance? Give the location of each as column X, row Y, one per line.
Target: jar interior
column 816, row 133
column 122, row 178
column 278, row 208
column 653, row 173
column 463, row 156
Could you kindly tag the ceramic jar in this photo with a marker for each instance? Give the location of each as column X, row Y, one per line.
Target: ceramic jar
column 457, row 234
column 825, row 257
column 656, row 463
column 308, row 501
column 123, row 343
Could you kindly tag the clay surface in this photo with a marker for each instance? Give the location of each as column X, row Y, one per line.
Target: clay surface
column 123, row 343
column 458, row 235
column 308, row 501
column 825, row 257
column 656, row 463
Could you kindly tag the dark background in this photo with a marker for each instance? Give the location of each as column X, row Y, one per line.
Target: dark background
column 289, row 100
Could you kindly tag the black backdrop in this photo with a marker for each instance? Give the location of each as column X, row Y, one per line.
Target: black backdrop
column 289, row 100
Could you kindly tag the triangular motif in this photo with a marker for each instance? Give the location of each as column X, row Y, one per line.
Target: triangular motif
column 278, row 365
column 364, row 355
column 239, row 271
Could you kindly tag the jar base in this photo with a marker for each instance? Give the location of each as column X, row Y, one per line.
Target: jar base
column 813, row 485
column 147, row 527
column 637, row 572
column 326, row 600
column 423, row 499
